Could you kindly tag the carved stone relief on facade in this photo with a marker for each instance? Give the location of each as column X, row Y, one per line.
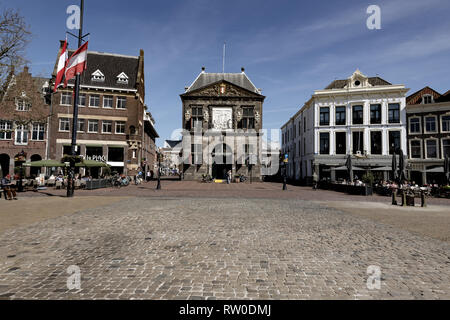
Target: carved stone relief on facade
column 222, row 118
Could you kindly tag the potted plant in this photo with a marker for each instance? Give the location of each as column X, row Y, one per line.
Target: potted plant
column 368, row 179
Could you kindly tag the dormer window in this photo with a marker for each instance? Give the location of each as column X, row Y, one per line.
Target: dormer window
column 98, row 76
column 427, row 99
column 122, row 78
column 23, row 104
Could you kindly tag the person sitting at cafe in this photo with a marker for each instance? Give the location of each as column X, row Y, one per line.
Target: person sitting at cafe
column 9, row 188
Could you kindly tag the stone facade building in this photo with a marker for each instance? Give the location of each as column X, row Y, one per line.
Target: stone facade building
column 222, row 119
column 428, row 114
column 364, row 117
column 114, row 124
column 24, row 112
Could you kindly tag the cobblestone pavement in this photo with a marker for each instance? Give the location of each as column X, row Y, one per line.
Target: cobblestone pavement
column 196, row 189
column 171, row 248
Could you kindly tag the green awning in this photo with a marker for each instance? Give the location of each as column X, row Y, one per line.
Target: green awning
column 91, row 164
column 44, row 163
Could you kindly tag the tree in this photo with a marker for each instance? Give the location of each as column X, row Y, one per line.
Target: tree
column 14, row 36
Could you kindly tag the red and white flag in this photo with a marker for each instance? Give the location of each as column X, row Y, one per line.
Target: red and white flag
column 76, row 63
column 61, row 66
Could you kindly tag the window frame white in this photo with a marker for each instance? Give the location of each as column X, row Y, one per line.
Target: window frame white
column 90, row 100
column 40, row 129
column 89, row 125
column 106, row 98
column 435, row 123
column 121, row 98
column 65, row 94
column 420, row 125
column 116, row 125
column 426, row 147
column 410, row 148
column 442, row 122
column 59, row 124
column 7, row 127
column 110, row 126
column 22, row 129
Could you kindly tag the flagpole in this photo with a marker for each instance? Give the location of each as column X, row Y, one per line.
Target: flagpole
column 71, row 184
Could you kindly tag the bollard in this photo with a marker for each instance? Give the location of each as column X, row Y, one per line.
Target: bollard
column 423, row 199
column 394, row 197
column 404, row 198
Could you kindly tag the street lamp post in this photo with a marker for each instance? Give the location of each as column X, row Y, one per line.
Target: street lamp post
column 158, row 186
column 71, row 184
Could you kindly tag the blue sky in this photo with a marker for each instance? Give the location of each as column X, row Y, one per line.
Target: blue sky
column 288, row 48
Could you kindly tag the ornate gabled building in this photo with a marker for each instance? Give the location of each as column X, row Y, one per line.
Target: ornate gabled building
column 24, row 112
column 428, row 114
column 222, row 119
column 114, row 124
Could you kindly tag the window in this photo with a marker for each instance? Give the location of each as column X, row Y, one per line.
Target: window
column 394, row 113
column 299, row 129
column 358, row 114
column 248, row 118
column 21, row 134
column 115, row 154
column 416, row 149
column 5, row 130
column 427, row 99
column 64, row 124
column 196, row 153
column 98, row 76
column 108, row 101
column 120, row 127
column 430, row 124
column 304, row 124
column 341, row 142
column 375, row 142
column 121, row 102
column 324, row 116
column 445, row 123
column 431, row 149
column 340, row 116
column 94, row 101
column 93, row 126
column 197, row 117
column 23, row 104
column 445, row 147
column 122, row 78
column 106, row 126
column 375, row 113
column 414, row 125
column 358, row 142
column 38, row 132
column 324, row 143
column 80, row 125
column 94, row 153
column 66, row 98
column 394, row 141
column 82, row 100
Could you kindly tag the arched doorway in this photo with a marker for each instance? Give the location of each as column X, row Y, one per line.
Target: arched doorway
column 222, row 160
column 4, row 164
column 34, row 171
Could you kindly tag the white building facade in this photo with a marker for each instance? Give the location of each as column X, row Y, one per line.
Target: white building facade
column 359, row 116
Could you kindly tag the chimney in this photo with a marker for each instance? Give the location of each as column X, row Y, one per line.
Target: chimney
column 243, row 69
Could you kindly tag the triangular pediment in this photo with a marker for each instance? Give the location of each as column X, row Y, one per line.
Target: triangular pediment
column 221, row 89
column 358, row 80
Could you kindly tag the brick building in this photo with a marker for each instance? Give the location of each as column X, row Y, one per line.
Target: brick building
column 428, row 114
column 24, row 111
column 114, row 124
column 222, row 119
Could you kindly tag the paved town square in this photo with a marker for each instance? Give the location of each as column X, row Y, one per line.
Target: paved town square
column 172, row 247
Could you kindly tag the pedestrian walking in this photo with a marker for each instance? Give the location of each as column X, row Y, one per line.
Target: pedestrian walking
column 228, row 176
